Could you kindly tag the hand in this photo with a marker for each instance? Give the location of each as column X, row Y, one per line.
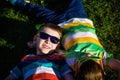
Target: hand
column 31, row 44
column 13, row 2
column 27, row 1
column 115, row 65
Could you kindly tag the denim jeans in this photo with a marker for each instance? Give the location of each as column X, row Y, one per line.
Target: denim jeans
column 75, row 10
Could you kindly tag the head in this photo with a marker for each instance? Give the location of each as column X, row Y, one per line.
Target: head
column 89, row 70
column 48, row 38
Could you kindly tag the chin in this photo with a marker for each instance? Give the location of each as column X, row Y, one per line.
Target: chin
column 46, row 53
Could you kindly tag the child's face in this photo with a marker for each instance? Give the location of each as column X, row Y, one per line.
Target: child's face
column 47, row 44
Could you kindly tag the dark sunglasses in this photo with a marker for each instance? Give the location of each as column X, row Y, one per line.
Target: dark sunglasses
column 53, row 39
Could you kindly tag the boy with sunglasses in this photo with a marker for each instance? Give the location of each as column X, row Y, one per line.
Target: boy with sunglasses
column 46, row 64
column 79, row 35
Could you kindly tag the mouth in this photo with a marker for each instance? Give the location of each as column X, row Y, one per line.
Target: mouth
column 46, row 46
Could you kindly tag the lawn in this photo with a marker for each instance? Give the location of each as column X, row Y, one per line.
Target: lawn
column 17, row 29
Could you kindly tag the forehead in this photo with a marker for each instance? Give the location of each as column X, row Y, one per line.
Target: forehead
column 50, row 31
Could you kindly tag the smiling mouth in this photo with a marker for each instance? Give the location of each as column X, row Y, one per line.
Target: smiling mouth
column 46, row 47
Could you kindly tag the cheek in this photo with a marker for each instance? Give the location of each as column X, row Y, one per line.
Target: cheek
column 54, row 46
column 39, row 43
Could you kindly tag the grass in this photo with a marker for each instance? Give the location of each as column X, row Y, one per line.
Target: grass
column 105, row 14
column 18, row 29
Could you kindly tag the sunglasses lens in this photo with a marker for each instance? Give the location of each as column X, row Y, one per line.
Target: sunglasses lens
column 53, row 39
column 43, row 35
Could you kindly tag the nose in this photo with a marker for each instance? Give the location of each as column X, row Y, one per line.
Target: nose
column 48, row 40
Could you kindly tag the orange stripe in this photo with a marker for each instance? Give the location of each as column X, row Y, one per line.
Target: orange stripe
column 72, row 24
column 82, row 40
column 42, row 76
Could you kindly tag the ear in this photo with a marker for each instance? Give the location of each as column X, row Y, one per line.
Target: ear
column 35, row 39
column 32, row 44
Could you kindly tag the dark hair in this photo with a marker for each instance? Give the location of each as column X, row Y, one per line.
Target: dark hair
column 89, row 70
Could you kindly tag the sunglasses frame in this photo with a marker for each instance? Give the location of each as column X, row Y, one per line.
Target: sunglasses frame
column 45, row 36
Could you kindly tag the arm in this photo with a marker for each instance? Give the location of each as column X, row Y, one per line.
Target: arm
column 9, row 77
column 115, row 65
column 40, row 13
column 69, row 76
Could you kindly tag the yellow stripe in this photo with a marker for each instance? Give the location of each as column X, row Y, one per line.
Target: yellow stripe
column 82, row 40
column 72, row 24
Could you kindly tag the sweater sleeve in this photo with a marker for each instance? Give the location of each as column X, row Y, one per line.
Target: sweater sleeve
column 16, row 72
column 64, row 68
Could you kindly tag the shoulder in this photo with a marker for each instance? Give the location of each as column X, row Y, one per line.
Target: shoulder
column 26, row 57
column 58, row 56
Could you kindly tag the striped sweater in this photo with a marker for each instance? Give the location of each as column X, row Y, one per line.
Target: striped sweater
column 41, row 67
column 80, row 39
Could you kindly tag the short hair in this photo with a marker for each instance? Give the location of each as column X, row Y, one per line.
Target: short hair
column 90, row 70
column 52, row 26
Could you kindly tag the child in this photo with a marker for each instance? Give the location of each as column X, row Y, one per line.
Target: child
column 46, row 64
column 79, row 35
column 90, row 70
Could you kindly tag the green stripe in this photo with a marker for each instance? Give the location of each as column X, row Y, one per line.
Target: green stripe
column 88, row 58
column 79, row 28
column 36, row 64
column 73, row 54
column 81, row 48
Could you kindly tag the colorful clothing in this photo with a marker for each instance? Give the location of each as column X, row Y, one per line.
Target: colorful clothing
column 79, row 33
column 41, row 67
column 80, row 38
